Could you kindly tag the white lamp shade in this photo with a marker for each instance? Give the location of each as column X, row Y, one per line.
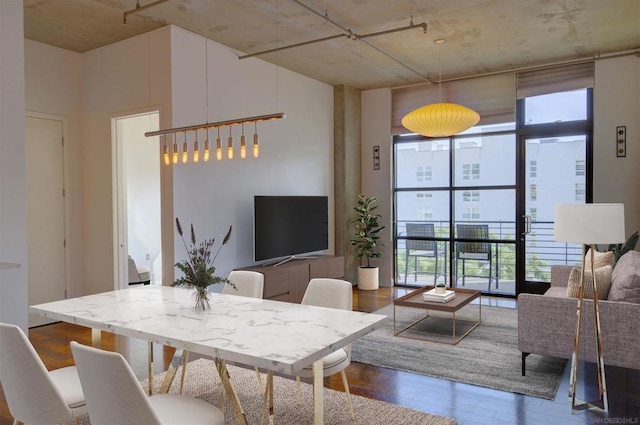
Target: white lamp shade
column 589, row 223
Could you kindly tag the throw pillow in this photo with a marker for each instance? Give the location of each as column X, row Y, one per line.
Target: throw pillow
column 603, row 283
column 600, row 259
column 625, row 280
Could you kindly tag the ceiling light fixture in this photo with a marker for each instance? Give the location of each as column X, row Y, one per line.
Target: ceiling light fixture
column 206, row 147
column 207, row 125
column 256, row 146
column 196, row 150
column 440, row 119
column 218, row 147
column 243, row 146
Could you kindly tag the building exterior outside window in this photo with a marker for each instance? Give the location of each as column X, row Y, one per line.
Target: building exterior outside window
column 580, row 192
column 533, row 168
column 580, row 167
column 533, row 192
column 471, row 171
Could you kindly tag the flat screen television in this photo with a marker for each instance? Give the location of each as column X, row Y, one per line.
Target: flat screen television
column 287, row 226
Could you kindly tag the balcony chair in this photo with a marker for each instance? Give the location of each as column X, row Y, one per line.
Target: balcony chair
column 114, row 395
column 422, row 248
column 474, row 251
column 138, row 274
column 34, row 395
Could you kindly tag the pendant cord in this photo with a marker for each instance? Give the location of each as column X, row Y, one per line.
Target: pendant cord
column 277, row 56
column 206, row 61
column 439, row 71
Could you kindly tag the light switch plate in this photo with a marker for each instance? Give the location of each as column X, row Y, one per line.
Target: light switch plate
column 621, row 141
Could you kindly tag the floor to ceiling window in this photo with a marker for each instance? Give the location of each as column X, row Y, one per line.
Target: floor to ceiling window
column 456, row 222
column 476, row 210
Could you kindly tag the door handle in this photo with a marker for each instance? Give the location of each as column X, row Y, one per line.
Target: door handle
column 527, row 224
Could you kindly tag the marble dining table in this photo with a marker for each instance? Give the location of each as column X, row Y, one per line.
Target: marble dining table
column 276, row 336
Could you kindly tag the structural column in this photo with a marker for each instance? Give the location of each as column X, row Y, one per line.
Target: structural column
column 347, row 172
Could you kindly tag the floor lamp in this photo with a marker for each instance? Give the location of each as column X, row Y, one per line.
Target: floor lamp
column 588, row 224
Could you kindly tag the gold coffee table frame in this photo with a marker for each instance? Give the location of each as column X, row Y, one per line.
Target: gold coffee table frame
column 414, row 300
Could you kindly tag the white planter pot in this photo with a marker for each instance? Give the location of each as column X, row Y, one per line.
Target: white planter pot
column 368, row 278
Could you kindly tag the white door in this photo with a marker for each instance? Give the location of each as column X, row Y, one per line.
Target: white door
column 46, row 274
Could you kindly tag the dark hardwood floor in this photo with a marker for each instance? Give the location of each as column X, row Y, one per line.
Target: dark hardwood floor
column 469, row 404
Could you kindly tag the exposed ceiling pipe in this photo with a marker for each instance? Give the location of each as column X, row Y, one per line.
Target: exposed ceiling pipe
column 140, row 8
column 347, row 30
column 304, row 43
column 351, row 35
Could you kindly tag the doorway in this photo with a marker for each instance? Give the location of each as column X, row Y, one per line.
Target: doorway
column 46, row 217
column 137, row 196
column 556, row 150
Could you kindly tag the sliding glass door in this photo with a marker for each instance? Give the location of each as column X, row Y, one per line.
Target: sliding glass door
column 555, row 132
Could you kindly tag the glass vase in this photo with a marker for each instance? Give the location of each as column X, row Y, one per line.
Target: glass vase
column 202, row 298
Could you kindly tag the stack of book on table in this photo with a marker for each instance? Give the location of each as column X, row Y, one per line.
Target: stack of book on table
column 440, row 298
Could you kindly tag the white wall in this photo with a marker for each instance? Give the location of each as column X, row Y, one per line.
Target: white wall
column 123, row 78
column 296, row 153
column 118, row 79
column 376, row 131
column 616, row 103
column 13, row 204
column 53, row 85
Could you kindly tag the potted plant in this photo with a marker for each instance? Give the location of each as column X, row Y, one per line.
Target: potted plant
column 441, row 288
column 365, row 240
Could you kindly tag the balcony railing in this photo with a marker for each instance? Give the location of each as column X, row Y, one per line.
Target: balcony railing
column 541, row 251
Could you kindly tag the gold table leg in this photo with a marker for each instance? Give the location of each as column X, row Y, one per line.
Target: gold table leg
column 96, row 338
column 150, row 366
column 236, row 407
column 180, row 358
column 267, row 400
column 318, row 395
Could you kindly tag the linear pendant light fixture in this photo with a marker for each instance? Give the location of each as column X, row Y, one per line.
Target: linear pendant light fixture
column 440, row 119
column 173, row 159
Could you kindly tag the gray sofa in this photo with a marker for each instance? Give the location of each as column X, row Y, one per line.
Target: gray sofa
column 546, row 325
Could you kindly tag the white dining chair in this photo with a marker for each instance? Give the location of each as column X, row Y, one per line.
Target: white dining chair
column 247, row 284
column 34, row 395
column 114, row 395
column 330, row 293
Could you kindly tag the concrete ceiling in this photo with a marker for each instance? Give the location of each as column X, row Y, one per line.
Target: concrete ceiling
column 482, row 36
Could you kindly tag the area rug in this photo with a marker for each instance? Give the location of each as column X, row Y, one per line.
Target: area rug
column 488, row 356
column 202, row 381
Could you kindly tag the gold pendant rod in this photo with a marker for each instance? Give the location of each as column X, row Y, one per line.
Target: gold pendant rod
column 237, row 121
